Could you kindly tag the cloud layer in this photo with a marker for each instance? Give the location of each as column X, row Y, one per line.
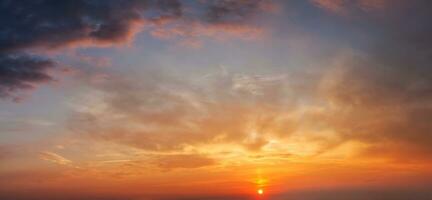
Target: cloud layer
column 167, row 114
column 20, row 72
column 382, row 93
column 46, row 25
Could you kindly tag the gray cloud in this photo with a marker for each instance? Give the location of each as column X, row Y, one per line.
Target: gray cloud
column 234, row 11
column 22, row 72
column 50, row 24
column 47, row 24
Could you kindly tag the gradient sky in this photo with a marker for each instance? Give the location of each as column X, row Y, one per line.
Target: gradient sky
column 215, row 99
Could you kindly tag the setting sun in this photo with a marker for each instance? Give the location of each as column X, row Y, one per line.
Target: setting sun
column 260, row 191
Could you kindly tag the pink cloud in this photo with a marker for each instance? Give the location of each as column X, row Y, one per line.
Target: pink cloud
column 345, row 7
column 191, row 34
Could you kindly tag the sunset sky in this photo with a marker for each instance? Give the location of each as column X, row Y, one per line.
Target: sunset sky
column 215, row 100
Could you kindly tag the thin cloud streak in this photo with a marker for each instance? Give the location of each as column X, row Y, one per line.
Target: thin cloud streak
column 55, row 158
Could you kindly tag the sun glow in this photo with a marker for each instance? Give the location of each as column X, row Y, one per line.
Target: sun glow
column 260, row 191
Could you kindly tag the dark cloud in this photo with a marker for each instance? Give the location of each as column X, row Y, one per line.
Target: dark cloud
column 52, row 24
column 49, row 24
column 22, row 72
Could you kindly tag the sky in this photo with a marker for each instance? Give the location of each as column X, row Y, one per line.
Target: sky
column 215, row 99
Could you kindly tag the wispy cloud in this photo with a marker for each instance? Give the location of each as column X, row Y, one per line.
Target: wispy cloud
column 54, row 158
column 242, row 109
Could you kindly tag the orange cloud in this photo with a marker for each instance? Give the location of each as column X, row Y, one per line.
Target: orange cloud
column 53, row 157
column 192, row 33
column 176, row 161
column 192, row 117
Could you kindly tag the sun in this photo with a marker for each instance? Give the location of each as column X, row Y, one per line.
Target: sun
column 260, row 191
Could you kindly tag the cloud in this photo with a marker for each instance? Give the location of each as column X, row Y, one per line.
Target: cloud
column 379, row 93
column 160, row 113
column 54, row 158
column 162, row 161
column 191, row 33
column 378, row 96
column 371, row 5
column 385, row 106
column 350, row 7
column 335, row 6
column 221, row 20
column 22, row 72
column 168, row 162
column 235, row 11
column 46, row 25
column 50, row 24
